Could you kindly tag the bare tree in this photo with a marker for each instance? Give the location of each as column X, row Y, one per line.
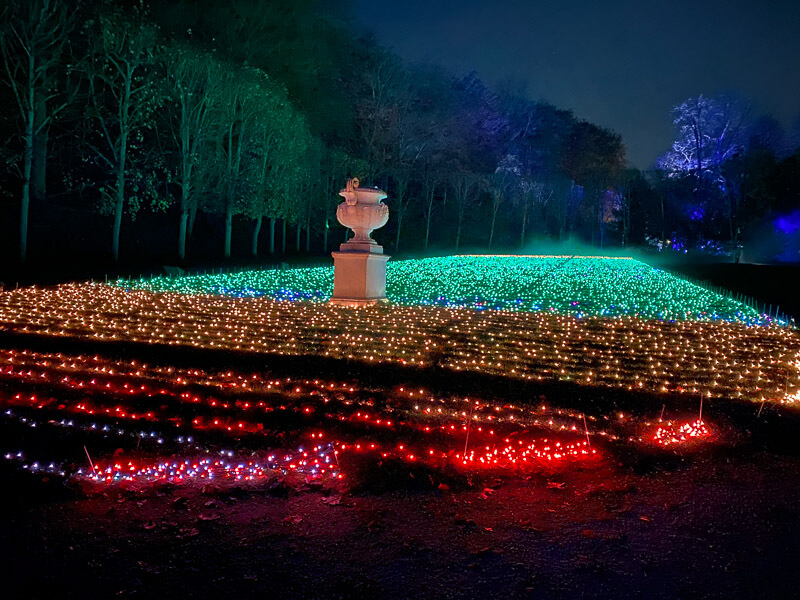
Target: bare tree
column 534, row 194
column 501, row 185
column 625, row 189
column 237, row 110
column 281, row 143
column 193, row 76
column 33, row 37
column 431, row 180
column 710, row 131
column 122, row 97
column 464, row 185
column 385, row 83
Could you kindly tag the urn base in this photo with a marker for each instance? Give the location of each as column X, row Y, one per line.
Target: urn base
column 359, row 278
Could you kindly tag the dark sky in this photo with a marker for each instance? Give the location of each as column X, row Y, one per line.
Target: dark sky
column 619, row 63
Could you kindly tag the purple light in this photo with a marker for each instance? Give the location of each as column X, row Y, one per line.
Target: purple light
column 788, row 224
column 696, row 214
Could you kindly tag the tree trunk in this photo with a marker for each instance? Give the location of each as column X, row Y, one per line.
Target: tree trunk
column 626, row 221
column 228, row 229
column 272, row 235
column 308, row 238
column 731, row 212
column 184, row 220
column 325, row 237
column 524, row 224
column 402, row 185
column 428, row 214
column 256, row 231
column 283, row 238
column 297, row 241
column 399, row 224
column 119, row 203
column 495, row 208
column 39, row 175
column 26, row 183
column 182, row 235
column 428, row 225
column 192, row 217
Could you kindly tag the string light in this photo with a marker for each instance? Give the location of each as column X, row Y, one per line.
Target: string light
column 599, row 321
column 727, row 359
column 672, row 434
column 570, row 285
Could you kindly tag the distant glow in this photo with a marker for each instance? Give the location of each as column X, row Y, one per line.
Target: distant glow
column 697, row 213
column 788, row 224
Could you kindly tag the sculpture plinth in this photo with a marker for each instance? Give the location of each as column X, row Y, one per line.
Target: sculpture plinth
column 359, row 268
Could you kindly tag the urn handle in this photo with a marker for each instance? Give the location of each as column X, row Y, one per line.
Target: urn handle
column 352, row 186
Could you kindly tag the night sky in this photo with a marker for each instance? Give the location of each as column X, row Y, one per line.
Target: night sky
column 618, row 63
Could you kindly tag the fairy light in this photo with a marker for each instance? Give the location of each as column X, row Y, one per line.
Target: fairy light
column 315, row 463
column 672, row 434
column 728, row 359
column 425, row 427
column 599, row 322
column 581, row 286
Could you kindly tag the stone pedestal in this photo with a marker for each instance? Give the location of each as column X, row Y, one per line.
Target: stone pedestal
column 359, row 275
column 359, row 268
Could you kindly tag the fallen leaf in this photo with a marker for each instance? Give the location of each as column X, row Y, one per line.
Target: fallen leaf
column 188, row 532
column 295, row 519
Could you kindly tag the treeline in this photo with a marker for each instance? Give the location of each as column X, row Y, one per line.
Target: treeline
column 227, row 127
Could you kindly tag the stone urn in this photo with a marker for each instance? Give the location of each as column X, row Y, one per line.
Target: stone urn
column 359, row 268
column 362, row 212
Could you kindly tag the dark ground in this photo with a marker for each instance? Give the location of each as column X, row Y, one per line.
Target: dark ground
column 713, row 527
column 769, row 285
column 723, row 522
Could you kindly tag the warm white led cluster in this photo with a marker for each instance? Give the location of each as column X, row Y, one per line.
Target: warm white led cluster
column 722, row 358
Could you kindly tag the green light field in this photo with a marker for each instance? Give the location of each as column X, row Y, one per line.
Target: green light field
column 579, row 286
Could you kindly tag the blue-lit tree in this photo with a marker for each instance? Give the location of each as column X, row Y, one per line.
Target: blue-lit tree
column 709, row 131
column 712, row 133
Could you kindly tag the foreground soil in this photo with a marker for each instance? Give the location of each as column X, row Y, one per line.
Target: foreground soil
column 714, row 526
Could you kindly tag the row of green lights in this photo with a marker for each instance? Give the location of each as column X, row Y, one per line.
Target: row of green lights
column 579, row 286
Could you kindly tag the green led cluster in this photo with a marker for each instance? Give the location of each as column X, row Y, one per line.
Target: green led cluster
column 579, row 286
